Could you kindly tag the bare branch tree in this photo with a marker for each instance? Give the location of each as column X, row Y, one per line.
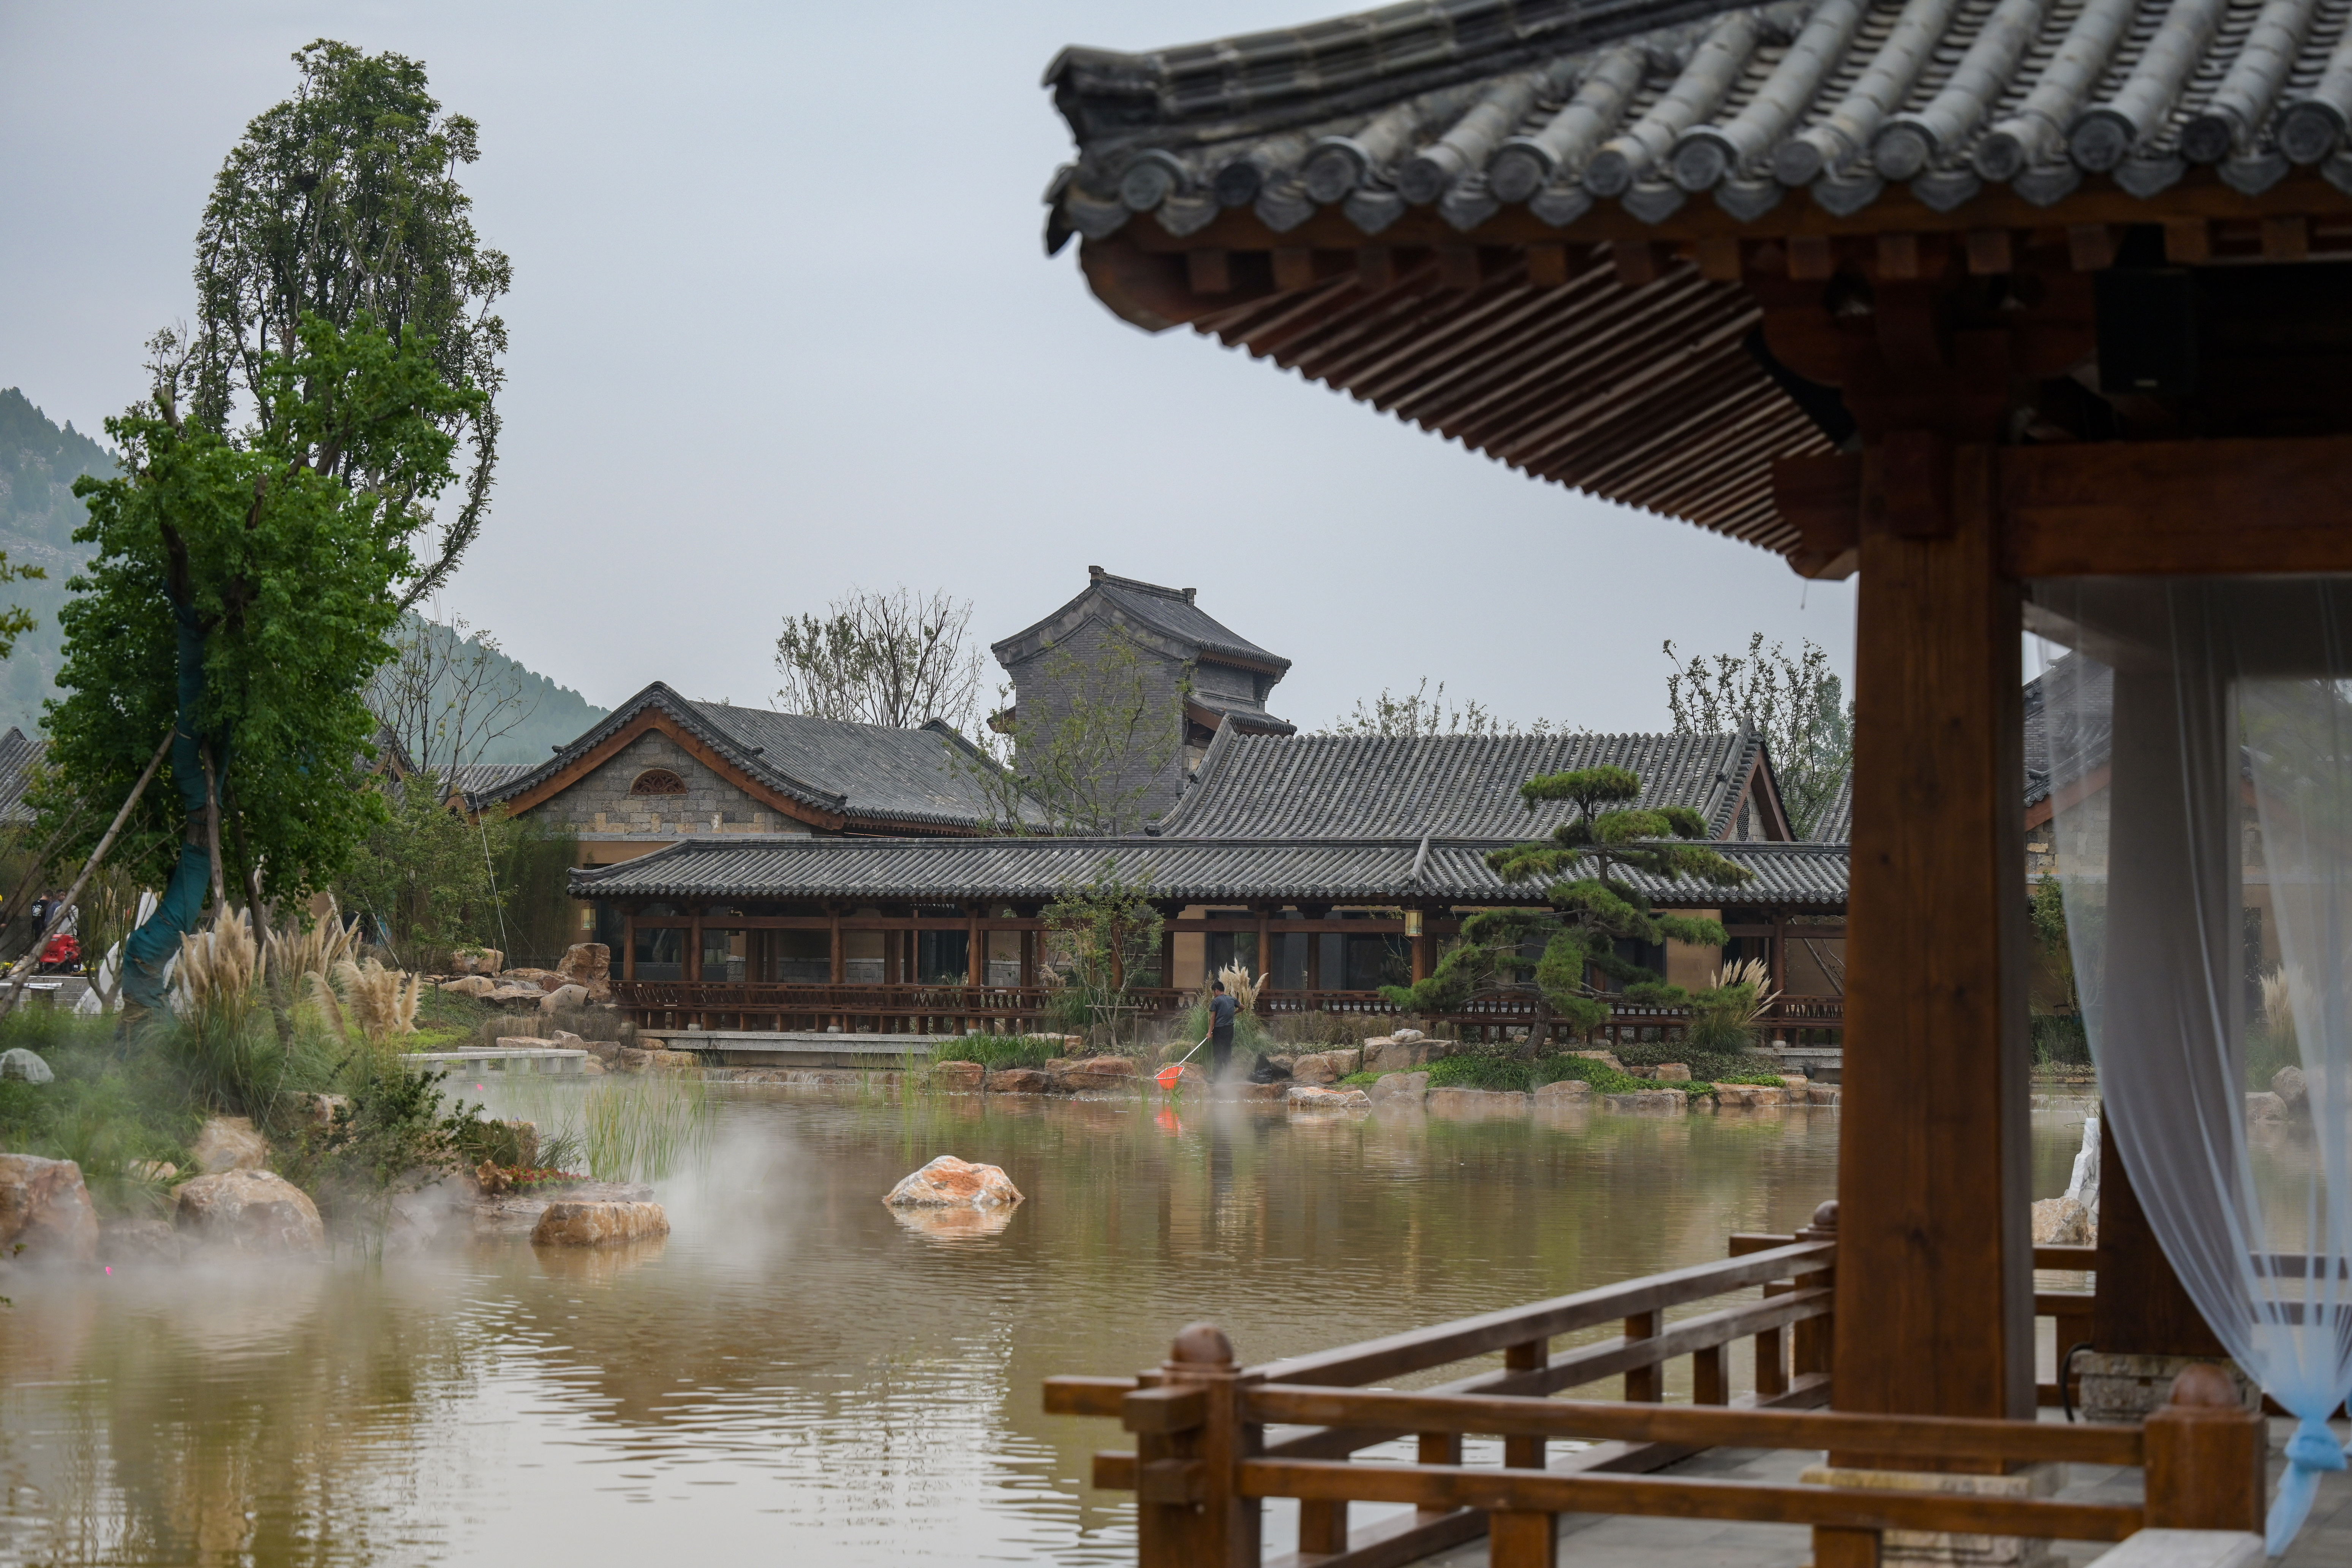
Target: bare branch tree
column 895, row 659
column 1417, row 713
column 447, row 694
column 1799, row 704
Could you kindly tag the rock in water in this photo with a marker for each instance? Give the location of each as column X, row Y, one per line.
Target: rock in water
column 252, row 1211
column 1309, row 1096
column 18, row 1063
column 950, row 1183
column 2062, row 1221
column 1674, row 1072
column 230, row 1143
column 570, row 1224
column 2287, row 1083
column 45, row 1209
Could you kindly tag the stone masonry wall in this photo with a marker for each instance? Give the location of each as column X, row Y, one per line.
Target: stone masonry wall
column 602, row 803
column 1041, row 705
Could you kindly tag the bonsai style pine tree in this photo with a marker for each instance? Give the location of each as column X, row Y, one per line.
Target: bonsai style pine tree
column 1592, row 912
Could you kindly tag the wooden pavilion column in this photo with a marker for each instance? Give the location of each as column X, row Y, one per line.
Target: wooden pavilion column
column 1935, row 1284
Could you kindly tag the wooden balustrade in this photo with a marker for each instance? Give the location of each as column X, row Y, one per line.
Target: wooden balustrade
column 778, row 1005
column 1213, row 1439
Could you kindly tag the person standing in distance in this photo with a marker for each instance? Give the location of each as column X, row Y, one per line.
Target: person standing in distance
column 1221, row 1008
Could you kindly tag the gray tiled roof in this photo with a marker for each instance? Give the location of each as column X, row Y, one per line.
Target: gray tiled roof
column 1836, row 826
column 2052, row 699
column 478, row 782
column 870, row 774
column 1189, row 870
column 1168, row 612
column 1459, row 787
column 1474, row 106
column 18, row 752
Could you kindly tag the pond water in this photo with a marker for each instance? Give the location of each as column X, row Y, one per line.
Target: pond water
column 801, row 1376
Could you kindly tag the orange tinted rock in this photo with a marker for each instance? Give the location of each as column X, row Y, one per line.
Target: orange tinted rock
column 958, row 1078
column 950, row 1183
column 576, row 1224
column 45, row 1209
column 589, row 965
column 1020, row 1080
column 253, row 1211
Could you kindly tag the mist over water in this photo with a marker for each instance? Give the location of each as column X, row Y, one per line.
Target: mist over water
column 798, row 1373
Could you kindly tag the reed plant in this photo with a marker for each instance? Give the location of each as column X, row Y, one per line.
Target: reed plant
column 993, row 1051
column 640, row 1128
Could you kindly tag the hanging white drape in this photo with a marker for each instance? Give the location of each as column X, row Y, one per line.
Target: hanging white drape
column 2200, row 759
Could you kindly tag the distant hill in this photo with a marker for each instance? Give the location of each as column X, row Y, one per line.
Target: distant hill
column 554, row 714
column 38, row 513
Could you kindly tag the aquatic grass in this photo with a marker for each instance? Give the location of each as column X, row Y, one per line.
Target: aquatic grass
column 641, row 1129
column 993, row 1051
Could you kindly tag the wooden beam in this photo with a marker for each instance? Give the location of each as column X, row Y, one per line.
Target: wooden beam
column 1812, row 257
column 1294, row 266
column 1718, row 258
column 1898, row 256
column 2286, row 238
column 1990, row 251
column 2164, row 507
column 1376, row 268
column 2139, row 1306
column 2188, row 240
column 1210, row 272
column 2091, row 247
column 1638, row 262
column 1822, row 498
column 1459, row 267
column 1934, row 1305
column 1548, row 265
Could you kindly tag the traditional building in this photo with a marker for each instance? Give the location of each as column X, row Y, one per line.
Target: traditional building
column 1978, row 300
column 660, row 768
column 1190, row 672
column 1334, row 864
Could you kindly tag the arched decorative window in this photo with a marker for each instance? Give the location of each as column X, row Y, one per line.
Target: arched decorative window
column 658, row 780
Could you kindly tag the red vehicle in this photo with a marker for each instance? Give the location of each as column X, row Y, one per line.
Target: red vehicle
column 62, row 956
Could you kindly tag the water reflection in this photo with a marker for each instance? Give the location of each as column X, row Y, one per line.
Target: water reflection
column 799, row 1371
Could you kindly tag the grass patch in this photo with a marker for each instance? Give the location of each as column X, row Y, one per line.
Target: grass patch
column 1362, row 1079
column 1714, row 1067
column 993, row 1051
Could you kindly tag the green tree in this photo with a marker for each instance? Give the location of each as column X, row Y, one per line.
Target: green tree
column 1799, row 704
column 257, row 552
column 1555, row 952
column 240, row 598
column 1102, row 942
column 1088, row 761
column 342, row 201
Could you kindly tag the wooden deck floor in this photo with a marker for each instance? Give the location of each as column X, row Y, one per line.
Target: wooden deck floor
column 1589, row 1540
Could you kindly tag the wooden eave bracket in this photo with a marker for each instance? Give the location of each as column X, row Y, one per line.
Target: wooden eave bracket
column 1820, row 498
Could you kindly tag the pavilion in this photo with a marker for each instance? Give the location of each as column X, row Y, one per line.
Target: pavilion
column 1963, row 297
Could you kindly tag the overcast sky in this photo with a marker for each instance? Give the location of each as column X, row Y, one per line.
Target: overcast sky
column 783, row 325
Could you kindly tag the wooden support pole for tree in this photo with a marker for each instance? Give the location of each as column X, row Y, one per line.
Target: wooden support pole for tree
column 58, row 915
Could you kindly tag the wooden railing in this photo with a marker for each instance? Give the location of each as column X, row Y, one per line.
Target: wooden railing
column 1204, row 1459
column 772, row 1005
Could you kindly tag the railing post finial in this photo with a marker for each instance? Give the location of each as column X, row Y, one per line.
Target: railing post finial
column 1203, row 1346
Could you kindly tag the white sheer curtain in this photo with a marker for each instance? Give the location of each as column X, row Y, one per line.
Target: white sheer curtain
column 2199, row 735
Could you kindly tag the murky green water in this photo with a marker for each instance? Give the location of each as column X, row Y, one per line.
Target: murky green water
column 799, row 1375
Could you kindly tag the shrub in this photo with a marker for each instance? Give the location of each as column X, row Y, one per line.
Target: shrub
column 1362, row 1079
column 2059, row 1041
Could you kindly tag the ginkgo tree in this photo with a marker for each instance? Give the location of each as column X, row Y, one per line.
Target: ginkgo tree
column 1589, row 862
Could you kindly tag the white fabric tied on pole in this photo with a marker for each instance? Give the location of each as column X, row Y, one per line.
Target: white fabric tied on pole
column 2200, row 773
